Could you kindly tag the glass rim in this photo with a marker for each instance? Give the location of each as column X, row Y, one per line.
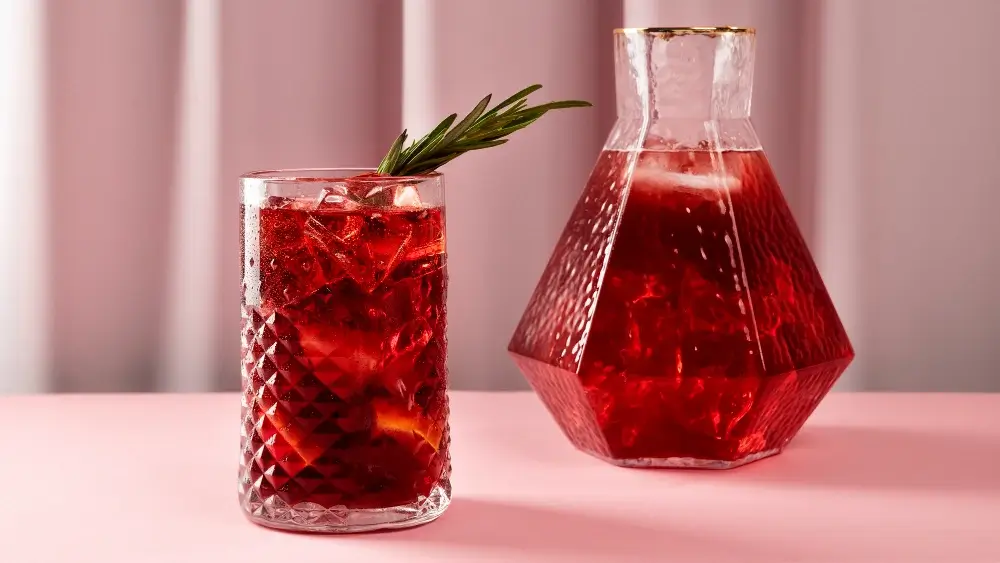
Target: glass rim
column 708, row 30
column 334, row 175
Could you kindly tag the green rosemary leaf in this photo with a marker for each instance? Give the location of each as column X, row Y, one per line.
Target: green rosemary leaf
column 520, row 105
column 516, row 97
column 516, row 127
column 429, row 165
column 389, row 162
column 480, row 129
column 503, row 129
column 561, row 105
column 489, row 122
column 500, row 122
column 463, row 126
column 429, row 141
column 474, row 146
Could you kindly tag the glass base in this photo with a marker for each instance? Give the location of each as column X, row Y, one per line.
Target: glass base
column 273, row 512
column 689, row 462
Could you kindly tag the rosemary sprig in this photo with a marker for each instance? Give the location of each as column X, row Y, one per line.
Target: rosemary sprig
column 480, row 129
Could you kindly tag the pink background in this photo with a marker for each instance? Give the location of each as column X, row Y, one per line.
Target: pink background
column 124, row 124
column 856, row 486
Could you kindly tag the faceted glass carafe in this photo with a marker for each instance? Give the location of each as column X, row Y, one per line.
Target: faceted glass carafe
column 681, row 320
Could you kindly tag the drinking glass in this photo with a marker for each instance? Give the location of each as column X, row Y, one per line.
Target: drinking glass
column 345, row 411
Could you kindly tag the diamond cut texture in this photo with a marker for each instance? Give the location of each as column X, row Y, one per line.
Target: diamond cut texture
column 283, row 406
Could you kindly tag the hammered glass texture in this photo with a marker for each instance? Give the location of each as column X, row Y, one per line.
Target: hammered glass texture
column 681, row 320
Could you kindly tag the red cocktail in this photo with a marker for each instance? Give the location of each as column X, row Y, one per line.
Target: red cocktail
column 703, row 344
column 345, row 414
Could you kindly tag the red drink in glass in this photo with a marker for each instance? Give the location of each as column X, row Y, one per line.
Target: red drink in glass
column 681, row 320
column 345, row 415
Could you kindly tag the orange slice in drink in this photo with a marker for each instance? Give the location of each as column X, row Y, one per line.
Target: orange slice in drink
column 401, row 423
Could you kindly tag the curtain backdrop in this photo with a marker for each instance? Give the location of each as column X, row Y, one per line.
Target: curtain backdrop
column 124, row 126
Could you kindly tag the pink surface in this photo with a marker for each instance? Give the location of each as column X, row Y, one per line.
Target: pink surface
column 152, row 478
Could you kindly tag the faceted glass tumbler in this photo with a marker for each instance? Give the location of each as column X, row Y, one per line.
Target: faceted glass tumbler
column 345, row 409
column 681, row 321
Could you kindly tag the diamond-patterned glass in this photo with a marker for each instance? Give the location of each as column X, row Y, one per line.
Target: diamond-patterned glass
column 345, row 410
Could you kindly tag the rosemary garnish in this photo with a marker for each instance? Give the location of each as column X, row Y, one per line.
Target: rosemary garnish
column 481, row 129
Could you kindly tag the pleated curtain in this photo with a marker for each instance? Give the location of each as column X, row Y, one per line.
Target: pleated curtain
column 124, row 125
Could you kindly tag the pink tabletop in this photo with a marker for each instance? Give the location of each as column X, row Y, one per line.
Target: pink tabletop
column 872, row 477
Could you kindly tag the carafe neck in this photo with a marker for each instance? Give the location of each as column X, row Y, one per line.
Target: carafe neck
column 684, row 73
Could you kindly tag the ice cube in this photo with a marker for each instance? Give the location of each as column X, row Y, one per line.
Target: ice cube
column 691, row 171
column 330, row 234
column 338, row 196
column 411, row 338
column 427, row 241
column 401, row 361
column 653, row 177
column 365, row 248
column 658, row 143
column 712, row 181
column 278, row 202
column 406, row 196
column 370, row 260
column 327, row 236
